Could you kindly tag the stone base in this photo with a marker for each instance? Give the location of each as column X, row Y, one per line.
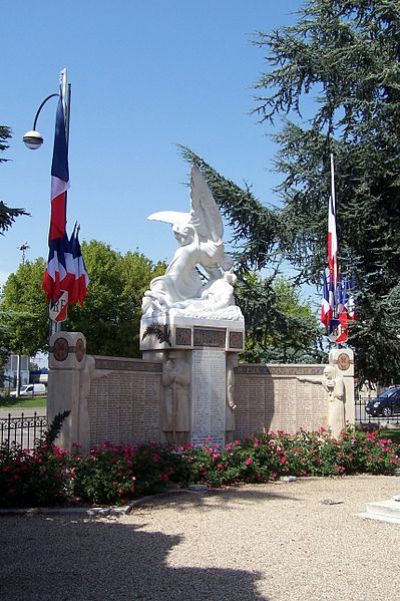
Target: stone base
column 383, row 511
column 207, row 346
column 180, row 332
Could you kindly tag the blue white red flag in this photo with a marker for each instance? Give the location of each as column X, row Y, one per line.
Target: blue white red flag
column 326, row 309
column 332, row 235
column 58, row 241
column 77, row 274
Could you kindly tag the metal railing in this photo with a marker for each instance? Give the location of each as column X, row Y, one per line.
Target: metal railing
column 362, row 417
column 22, row 430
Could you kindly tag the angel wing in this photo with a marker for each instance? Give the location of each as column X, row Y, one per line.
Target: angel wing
column 173, row 217
column 205, row 215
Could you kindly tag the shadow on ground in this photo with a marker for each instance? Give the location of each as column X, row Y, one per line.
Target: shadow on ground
column 59, row 558
column 212, row 500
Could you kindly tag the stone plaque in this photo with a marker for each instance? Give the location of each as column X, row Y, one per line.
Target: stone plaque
column 183, row 337
column 117, row 364
column 213, row 337
column 208, row 396
column 236, row 340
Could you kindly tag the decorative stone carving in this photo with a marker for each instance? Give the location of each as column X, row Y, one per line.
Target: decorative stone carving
column 336, row 399
column 182, row 288
column 176, row 411
column 231, row 363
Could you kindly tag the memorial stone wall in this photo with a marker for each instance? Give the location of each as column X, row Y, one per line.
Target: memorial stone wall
column 120, row 400
column 279, row 397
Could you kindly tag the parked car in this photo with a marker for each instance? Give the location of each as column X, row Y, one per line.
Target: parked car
column 30, row 390
column 387, row 403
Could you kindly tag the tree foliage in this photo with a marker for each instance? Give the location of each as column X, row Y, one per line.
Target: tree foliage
column 24, row 317
column 345, row 55
column 109, row 317
column 7, row 214
column 276, row 330
column 332, row 81
column 280, row 327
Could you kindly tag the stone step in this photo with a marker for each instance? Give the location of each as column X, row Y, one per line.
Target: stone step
column 385, row 511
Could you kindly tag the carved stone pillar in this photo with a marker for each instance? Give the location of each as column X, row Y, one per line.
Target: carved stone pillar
column 69, row 379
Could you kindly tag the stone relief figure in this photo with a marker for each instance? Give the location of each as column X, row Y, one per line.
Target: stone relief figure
column 176, row 409
column 201, row 249
column 231, row 363
column 336, row 398
column 336, row 390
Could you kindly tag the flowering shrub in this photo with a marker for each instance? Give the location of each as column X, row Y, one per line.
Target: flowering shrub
column 33, row 479
column 116, row 473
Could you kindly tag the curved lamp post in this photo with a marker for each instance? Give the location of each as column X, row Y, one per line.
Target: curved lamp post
column 33, row 139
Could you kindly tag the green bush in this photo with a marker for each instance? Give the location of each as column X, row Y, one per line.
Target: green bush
column 116, row 473
column 33, row 479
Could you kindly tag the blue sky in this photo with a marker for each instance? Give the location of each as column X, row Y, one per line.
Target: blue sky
column 145, row 77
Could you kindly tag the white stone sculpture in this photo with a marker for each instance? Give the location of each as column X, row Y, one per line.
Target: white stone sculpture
column 336, row 399
column 201, row 248
column 176, row 410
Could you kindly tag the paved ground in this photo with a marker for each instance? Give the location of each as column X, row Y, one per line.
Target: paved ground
column 298, row 541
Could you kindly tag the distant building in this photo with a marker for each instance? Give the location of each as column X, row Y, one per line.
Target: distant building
column 11, row 370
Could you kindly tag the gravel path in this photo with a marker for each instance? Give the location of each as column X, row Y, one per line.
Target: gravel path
column 297, row 541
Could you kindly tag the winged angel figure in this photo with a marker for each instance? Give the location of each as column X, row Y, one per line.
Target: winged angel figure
column 199, row 234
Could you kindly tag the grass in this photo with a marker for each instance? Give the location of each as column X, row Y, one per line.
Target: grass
column 23, row 402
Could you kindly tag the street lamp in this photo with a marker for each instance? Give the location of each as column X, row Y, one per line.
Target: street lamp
column 33, row 139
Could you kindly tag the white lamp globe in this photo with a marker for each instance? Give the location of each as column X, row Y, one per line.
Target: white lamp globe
column 33, row 139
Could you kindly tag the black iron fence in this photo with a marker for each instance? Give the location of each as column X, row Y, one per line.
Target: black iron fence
column 388, row 416
column 22, row 430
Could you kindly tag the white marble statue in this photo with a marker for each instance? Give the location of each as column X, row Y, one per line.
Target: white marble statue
column 336, row 390
column 199, row 234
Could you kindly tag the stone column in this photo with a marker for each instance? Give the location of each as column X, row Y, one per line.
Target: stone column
column 342, row 362
column 199, row 356
column 69, row 377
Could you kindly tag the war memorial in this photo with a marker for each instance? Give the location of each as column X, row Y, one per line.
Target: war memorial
column 189, row 385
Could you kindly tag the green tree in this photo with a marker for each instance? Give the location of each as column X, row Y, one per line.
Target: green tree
column 345, row 55
column 23, row 311
column 7, row 214
column 109, row 317
column 280, row 327
column 274, row 332
column 339, row 66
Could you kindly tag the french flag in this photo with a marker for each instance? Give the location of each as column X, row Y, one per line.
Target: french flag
column 332, row 236
column 78, row 279
column 56, row 269
column 326, row 309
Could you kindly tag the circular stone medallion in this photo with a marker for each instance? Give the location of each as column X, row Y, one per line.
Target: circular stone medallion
column 60, row 349
column 79, row 350
column 343, row 361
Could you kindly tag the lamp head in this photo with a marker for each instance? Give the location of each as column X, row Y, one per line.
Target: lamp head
column 33, row 139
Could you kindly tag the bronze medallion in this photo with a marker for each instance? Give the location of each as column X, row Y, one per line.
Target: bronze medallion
column 343, row 361
column 60, row 349
column 79, row 350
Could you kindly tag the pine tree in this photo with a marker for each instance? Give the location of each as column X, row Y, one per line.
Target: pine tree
column 345, row 55
column 7, row 214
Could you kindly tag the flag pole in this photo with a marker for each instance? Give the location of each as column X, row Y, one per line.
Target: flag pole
column 65, row 90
